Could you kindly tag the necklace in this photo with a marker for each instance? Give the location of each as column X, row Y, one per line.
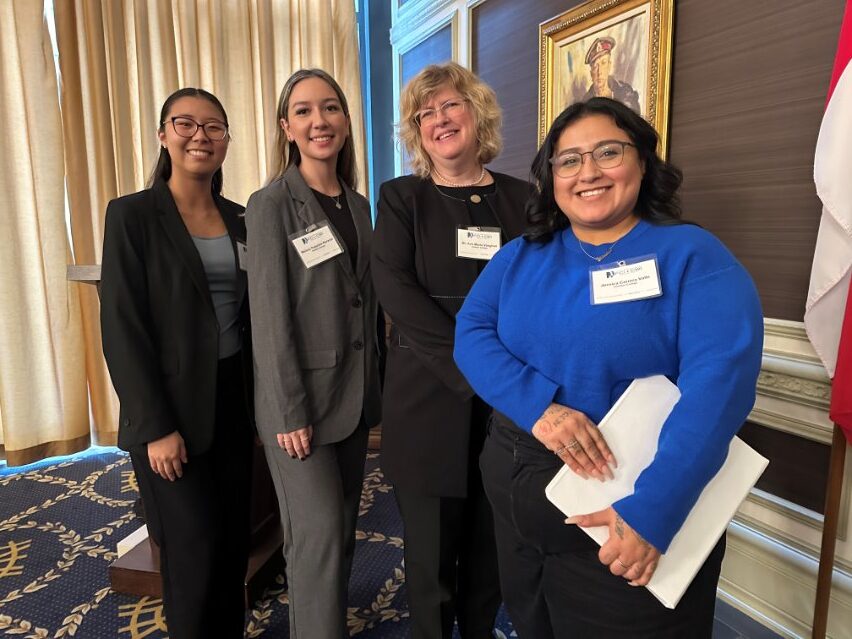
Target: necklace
column 596, row 258
column 333, row 198
column 461, row 185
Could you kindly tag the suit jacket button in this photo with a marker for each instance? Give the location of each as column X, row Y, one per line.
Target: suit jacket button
column 357, row 344
column 125, row 422
column 356, row 302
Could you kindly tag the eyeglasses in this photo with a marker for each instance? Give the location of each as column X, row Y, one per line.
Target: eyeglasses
column 186, row 128
column 425, row 117
column 608, row 155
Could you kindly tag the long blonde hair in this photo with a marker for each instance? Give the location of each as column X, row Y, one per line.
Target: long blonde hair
column 287, row 152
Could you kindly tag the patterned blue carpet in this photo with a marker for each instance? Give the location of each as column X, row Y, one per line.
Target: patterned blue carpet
column 59, row 525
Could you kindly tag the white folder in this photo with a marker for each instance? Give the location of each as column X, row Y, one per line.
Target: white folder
column 632, row 429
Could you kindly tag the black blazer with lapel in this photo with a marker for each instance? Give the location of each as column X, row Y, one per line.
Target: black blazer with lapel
column 315, row 345
column 159, row 327
column 421, row 285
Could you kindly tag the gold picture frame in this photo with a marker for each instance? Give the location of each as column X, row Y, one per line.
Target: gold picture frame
column 620, row 48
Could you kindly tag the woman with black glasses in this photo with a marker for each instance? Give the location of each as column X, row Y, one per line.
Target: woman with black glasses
column 174, row 316
column 606, row 286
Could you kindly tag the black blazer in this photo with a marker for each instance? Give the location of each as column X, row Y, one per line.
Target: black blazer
column 159, row 327
column 421, row 285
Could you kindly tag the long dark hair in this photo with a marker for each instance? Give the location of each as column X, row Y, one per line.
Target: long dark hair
column 163, row 168
column 287, row 153
column 658, row 200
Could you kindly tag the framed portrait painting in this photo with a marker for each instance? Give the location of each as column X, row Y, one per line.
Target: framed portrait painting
column 619, row 49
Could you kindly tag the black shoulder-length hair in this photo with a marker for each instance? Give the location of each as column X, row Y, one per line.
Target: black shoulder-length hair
column 658, row 200
column 163, row 167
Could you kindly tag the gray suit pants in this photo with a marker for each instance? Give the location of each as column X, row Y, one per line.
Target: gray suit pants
column 318, row 499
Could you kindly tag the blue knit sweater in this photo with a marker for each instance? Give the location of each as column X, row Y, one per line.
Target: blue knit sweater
column 528, row 335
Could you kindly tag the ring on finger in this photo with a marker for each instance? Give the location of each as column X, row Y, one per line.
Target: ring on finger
column 574, row 445
column 558, row 452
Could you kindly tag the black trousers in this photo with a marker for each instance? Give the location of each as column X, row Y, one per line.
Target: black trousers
column 553, row 584
column 201, row 521
column 451, row 555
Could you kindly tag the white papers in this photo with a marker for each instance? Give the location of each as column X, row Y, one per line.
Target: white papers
column 632, row 428
column 131, row 541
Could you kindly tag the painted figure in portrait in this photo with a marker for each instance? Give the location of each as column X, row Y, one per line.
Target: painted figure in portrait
column 608, row 59
column 604, row 83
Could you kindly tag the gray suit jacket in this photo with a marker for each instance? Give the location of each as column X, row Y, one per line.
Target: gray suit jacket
column 316, row 357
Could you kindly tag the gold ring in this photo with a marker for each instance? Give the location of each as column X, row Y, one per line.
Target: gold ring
column 574, row 445
column 559, row 450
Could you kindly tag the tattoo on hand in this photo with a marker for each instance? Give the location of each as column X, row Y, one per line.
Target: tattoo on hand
column 619, row 527
column 642, row 540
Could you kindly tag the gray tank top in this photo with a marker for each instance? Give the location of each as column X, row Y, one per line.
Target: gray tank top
column 217, row 256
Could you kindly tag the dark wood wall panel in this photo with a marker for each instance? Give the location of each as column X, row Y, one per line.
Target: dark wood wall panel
column 749, row 85
column 749, row 88
column 798, row 467
column 438, row 47
column 504, row 48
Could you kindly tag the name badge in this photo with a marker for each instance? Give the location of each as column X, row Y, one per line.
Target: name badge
column 317, row 244
column 242, row 254
column 477, row 242
column 625, row 280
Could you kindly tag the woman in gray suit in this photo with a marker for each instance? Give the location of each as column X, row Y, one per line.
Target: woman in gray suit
column 316, row 361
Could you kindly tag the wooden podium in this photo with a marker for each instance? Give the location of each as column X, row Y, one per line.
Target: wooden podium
column 137, row 571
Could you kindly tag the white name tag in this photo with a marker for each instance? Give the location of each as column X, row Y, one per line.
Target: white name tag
column 625, row 280
column 317, row 244
column 477, row 242
column 242, row 254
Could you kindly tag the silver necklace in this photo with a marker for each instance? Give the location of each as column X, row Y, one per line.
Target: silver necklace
column 596, row 258
column 336, row 199
column 461, row 185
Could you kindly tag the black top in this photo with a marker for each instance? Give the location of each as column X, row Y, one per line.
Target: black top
column 337, row 211
column 480, row 213
column 421, row 284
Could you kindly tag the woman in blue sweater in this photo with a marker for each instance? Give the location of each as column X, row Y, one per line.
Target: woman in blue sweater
column 608, row 285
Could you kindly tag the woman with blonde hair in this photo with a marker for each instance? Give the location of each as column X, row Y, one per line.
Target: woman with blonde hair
column 435, row 231
column 316, row 355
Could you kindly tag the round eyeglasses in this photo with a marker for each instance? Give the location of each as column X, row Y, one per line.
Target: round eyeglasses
column 426, row 117
column 186, row 128
column 607, row 155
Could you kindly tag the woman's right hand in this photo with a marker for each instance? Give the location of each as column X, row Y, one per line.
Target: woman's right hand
column 167, row 456
column 297, row 443
column 576, row 441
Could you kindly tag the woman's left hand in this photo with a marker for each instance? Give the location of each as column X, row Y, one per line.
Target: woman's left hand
column 626, row 552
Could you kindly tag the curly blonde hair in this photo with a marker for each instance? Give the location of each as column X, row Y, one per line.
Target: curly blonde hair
column 487, row 116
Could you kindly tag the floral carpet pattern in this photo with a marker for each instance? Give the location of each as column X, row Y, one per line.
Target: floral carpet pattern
column 60, row 521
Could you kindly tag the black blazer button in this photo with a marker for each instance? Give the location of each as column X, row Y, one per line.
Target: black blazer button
column 125, row 422
column 356, row 302
column 357, row 344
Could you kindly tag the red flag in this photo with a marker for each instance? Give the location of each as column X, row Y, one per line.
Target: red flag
column 828, row 311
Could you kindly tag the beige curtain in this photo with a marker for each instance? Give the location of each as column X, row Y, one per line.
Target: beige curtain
column 120, row 60
column 43, row 401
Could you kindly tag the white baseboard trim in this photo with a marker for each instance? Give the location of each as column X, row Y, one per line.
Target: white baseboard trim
column 776, row 585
